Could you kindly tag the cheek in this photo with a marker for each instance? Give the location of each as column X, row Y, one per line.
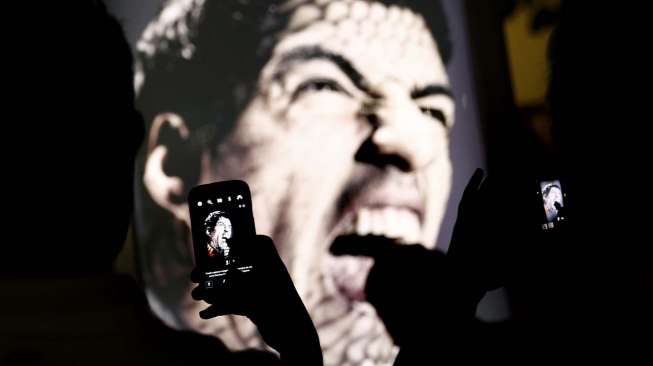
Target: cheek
column 321, row 141
column 436, row 179
column 324, row 133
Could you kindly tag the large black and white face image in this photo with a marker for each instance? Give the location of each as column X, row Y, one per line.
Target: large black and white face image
column 337, row 113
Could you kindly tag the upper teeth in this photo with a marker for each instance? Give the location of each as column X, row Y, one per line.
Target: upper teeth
column 397, row 223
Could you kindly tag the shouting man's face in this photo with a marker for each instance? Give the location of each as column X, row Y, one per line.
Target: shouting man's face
column 346, row 133
column 221, row 234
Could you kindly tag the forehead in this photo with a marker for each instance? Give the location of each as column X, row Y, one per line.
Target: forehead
column 382, row 42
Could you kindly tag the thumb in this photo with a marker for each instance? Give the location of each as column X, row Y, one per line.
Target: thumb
column 472, row 188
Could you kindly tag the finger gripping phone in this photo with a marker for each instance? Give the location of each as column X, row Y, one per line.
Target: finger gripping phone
column 222, row 225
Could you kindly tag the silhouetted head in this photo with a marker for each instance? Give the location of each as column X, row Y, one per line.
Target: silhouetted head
column 73, row 198
column 590, row 97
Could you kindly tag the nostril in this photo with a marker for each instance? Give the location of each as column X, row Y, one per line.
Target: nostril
column 368, row 114
column 370, row 153
column 373, row 120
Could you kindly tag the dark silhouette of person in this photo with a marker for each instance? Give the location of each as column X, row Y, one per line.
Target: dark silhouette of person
column 68, row 209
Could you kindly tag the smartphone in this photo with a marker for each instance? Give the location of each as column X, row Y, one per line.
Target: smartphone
column 222, row 225
column 552, row 197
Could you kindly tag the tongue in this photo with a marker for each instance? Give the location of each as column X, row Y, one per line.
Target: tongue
column 349, row 275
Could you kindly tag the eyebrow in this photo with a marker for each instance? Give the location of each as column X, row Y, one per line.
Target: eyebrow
column 431, row 90
column 317, row 53
column 307, row 53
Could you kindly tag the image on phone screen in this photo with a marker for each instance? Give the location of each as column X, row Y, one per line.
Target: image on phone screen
column 553, row 200
column 222, row 224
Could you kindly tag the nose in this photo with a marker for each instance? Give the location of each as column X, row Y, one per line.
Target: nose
column 401, row 135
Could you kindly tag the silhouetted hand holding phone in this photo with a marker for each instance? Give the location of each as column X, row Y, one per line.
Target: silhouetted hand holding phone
column 405, row 284
column 474, row 249
column 497, row 237
column 268, row 297
column 426, row 298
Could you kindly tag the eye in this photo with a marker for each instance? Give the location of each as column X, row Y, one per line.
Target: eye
column 318, row 85
column 436, row 114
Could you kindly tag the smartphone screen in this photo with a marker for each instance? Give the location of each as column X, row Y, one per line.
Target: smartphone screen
column 222, row 225
column 553, row 203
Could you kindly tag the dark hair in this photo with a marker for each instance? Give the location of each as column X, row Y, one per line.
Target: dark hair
column 212, row 219
column 547, row 190
column 180, row 69
column 583, row 72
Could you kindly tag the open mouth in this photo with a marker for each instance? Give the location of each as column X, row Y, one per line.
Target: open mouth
column 401, row 223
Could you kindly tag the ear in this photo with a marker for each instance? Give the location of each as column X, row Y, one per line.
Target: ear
column 168, row 141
